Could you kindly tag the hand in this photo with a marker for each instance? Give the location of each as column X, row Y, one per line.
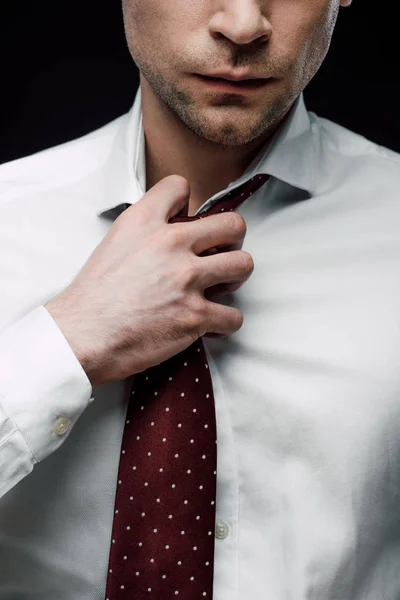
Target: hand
column 144, row 293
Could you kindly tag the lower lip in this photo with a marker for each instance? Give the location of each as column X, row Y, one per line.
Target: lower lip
column 234, row 87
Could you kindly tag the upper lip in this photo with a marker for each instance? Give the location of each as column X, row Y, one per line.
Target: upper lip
column 238, row 76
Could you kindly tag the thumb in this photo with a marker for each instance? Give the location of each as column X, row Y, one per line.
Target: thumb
column 168, row 197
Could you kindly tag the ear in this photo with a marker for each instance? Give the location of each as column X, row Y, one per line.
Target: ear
column 345, row 2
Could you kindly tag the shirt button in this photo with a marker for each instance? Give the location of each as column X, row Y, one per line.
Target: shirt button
column 62, row 425
column 221, row 530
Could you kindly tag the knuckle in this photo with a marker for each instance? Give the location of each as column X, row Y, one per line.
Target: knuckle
column 176, row 235
column 237, row 319
column 245, row 261
column 190, row 274
column 235, row 222
column 195, row 314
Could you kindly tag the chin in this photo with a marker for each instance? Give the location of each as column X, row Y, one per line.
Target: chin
column 228, row 134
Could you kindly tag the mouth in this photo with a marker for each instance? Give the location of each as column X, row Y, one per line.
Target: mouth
column 239, row 87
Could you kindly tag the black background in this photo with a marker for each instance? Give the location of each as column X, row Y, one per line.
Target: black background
column 66, row 70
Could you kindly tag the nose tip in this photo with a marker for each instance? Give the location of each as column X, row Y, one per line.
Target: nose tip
column 242, row 22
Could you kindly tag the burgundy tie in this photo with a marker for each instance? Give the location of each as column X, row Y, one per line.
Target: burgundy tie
column 162, row 544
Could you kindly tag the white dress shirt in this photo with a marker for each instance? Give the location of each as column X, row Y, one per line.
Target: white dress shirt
column 307, row 392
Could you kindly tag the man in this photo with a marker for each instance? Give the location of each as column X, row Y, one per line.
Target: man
column 300, row 281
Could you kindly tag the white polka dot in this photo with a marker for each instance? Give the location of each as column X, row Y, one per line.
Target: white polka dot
column 204, row 593
column 179, row 424
column 119, row 481
column 123, row 451
column 169, row 516
column 133, row 468
column 143, row 514
column 140, row 544
column 164, row 576
column 149, row 590
column 179, row 562
column 127, row 422
column 195, row 410
column 200, row 487
column 176, row 592
column 164, row 439
column 192, row 579
column 212, row 502
column 152, row 560
column 130, row 497
column 167, row 409
column 198, row 349
column 182, row 532
column 110, row 570
column 207, row 395
column 116, row 512
column 176, row 455
column 207, row 563
column 155, row 530
column 125, row 557
column 146, row 483
column 205, row 426
column 185, row 502
column 182, row 394
column 149, row 454
column 191, row 441
column 158, row 500
column 128, row 527
column 122, row 587
column 142, row 408
column 161, row 469
column 156, row 393
column 152, row 423
column 188, row 471
column 204, row 456
column 185, row 364
column 113, row 541
column 194, row 547
column 173, row 485
column 210, row 533
column 166, row 547
column 170, row 378
column 197, row 379
column 137, row 572
column 197, row 518
column 138, row 437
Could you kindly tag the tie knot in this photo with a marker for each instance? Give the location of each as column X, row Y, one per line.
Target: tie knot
column 229, row 201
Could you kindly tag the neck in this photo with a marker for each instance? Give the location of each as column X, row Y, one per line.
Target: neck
column 172, row 148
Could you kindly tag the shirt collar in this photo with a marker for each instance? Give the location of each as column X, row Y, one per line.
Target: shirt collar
column 289, row 156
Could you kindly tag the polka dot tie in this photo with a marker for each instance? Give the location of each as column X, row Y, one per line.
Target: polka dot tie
column 162, row 544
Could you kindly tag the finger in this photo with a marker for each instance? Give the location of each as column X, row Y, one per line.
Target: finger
column 227, row 267
column 167, row 198
column 218, row 230
column 223, row 320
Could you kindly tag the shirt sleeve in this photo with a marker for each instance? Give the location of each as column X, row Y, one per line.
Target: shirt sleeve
column 43, row 392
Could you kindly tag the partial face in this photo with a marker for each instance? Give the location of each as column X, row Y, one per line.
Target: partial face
column 172, row 41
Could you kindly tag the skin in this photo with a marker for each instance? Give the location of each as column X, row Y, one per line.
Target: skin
column 217, row 134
